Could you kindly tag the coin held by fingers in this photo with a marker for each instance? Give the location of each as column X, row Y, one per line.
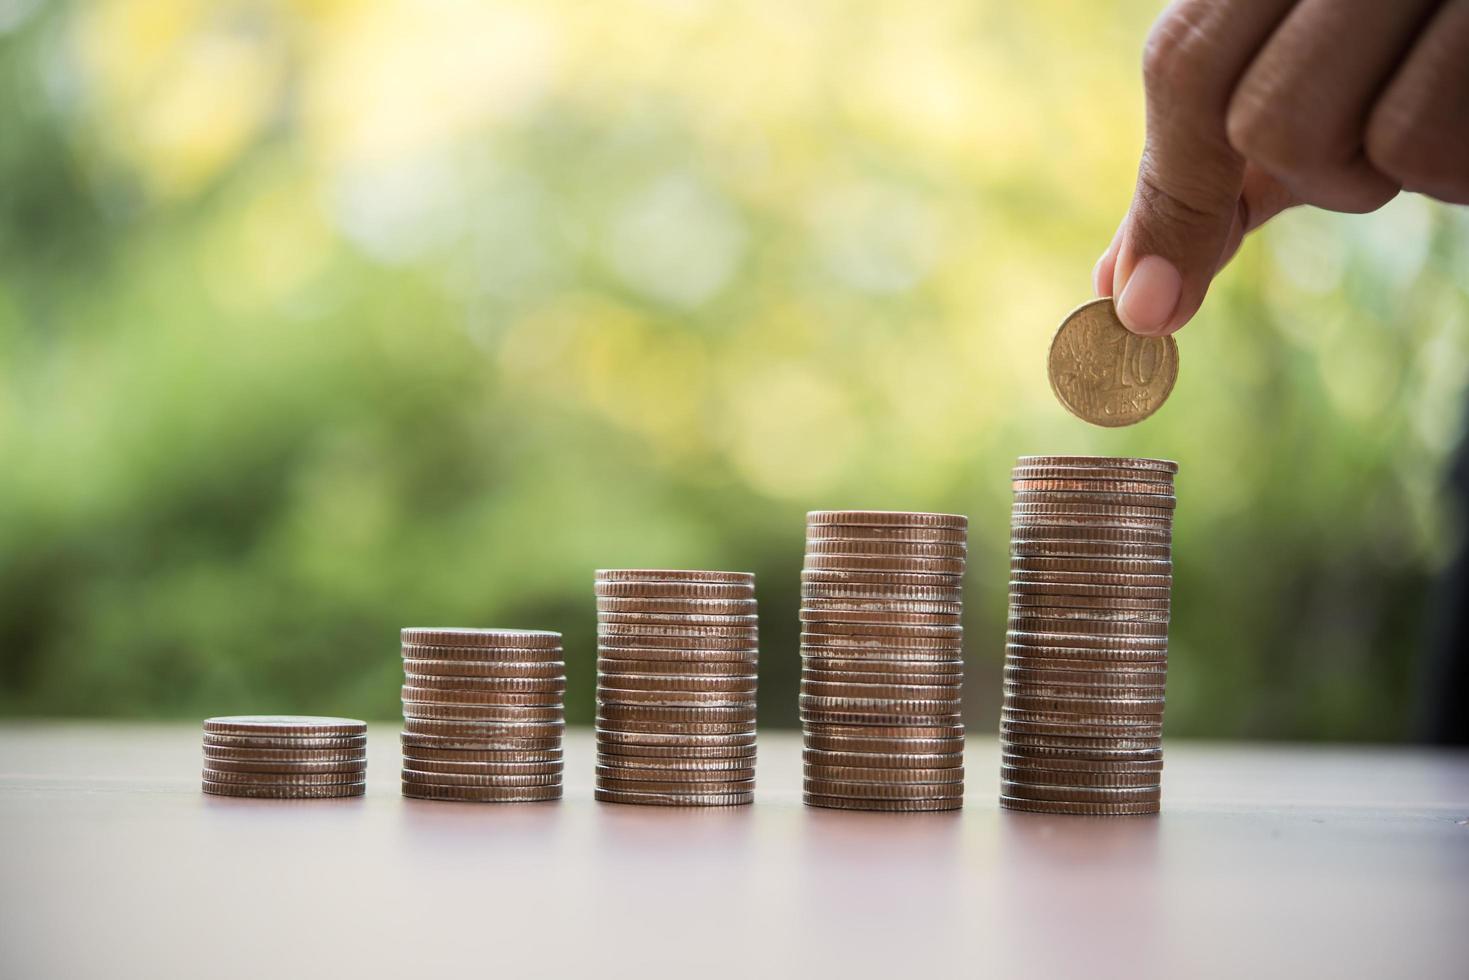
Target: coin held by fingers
column 1104, row 373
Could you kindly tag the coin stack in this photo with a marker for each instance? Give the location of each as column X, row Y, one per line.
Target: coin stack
column 1087, row 650
column 677, row 653
column 482, row 715
column 292, row 757
column 882, row 660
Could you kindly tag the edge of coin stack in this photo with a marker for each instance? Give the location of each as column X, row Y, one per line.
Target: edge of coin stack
column 285, row 757
column 1086, row 653
column 482, row 715
column 882, row 662
column 677, row 660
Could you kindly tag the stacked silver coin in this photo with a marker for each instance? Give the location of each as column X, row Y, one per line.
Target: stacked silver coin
column 293, row 757
column 882, row 660
column 1086, row 657
column 482, row 715
column 677, row 656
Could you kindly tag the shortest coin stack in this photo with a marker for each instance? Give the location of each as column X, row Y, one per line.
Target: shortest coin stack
column 482, row 715
column 289, row 757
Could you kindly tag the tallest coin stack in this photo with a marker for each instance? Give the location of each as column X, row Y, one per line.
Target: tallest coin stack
column 1086, row 654
column 882, row 661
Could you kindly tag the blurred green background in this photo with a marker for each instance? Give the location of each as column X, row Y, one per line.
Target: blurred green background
column 322, row 319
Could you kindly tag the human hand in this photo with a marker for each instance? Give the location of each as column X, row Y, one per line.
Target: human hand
column 1254, row 106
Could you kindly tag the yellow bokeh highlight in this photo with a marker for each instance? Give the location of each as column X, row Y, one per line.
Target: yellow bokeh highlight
column 179, row 90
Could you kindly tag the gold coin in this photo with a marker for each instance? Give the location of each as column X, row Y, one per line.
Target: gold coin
column 1104, row 373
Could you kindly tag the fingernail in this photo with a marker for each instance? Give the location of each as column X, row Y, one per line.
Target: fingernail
column 1150, row 296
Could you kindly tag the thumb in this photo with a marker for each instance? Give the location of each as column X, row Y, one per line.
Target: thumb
column 1177, row 230
column 1190, row 180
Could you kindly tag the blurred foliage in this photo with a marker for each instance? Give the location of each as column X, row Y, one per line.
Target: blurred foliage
column 319, row 319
